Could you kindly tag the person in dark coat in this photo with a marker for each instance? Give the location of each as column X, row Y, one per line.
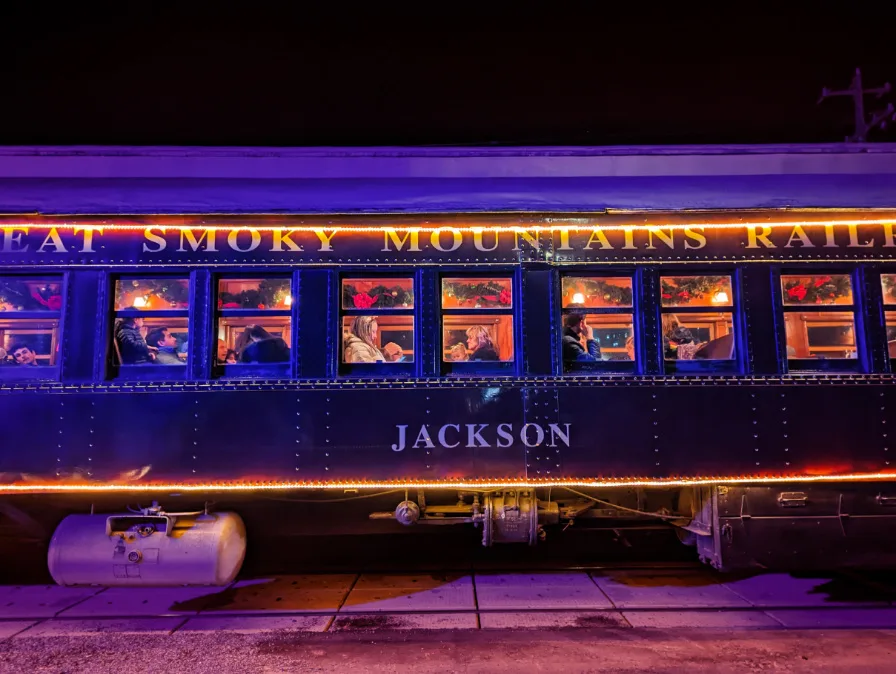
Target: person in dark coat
column 166, row 343
column 263, row 347
column 481, row 345
column 132, row 347
column 675, row 335
column 575, row 326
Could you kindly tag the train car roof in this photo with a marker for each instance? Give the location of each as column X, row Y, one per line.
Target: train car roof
column 109, row 180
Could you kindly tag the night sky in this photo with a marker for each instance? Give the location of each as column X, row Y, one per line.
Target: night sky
column 156, row 77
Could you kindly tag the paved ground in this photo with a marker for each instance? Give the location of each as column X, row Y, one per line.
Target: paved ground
column 606, row 621
column 563, row 651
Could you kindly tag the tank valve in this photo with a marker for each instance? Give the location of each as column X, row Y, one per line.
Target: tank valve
column 145, row 530
column 407, row 512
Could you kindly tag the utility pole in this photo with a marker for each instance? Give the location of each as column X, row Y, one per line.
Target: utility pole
column 863, row 126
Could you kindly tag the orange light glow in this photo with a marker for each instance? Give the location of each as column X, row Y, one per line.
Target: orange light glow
column 423, row 227
column 234, row 486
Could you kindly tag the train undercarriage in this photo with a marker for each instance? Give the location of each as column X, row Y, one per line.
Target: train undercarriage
column 797, row 526
column 177, row 539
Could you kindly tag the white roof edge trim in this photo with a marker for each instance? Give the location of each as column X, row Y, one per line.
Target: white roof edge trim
column 441, row 151
column 207, row 165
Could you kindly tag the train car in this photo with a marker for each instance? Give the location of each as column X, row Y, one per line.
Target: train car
column 512, row 339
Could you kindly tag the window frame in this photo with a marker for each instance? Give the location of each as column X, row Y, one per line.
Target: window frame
column 478, row 368
column 887, row 306
column 607, row 367
column 734, row 366
column 235, row 371
column 118, row 371
column 40, row 372
column 386, row 368
column 812, row 366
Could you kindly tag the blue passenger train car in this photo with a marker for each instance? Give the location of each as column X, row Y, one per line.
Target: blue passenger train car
column 512, row 338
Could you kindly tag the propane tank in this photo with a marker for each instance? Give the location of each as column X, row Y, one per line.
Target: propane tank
column 148, row 548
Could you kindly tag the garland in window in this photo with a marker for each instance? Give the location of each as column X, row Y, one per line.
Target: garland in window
column 889, row 283
column 379, row 297
column 269, row 294
column 484, row 294
column 17, row 295
column 161, row 293
column 816, row 289
column 609, row 293
column 694, row 288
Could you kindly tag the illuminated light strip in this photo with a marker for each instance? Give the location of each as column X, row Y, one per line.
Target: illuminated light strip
column 447, row 484
column 519, row 229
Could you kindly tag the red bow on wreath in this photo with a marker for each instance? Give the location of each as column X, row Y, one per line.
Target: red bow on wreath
column 53, row 302
column 797, row 292
column 364, row 301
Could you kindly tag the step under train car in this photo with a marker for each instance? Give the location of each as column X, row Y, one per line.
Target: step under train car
column 512, row 339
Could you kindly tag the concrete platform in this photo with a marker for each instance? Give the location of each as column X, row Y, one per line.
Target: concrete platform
column 140, row 601
column 41, row 601
column 539, row 591
column 538, row 600
column 677, row 590
column 282, row 594
column 411, row 593
column 783, row 589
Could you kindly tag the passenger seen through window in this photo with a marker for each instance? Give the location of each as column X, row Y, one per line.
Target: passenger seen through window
column 30, row 311
column 254, row 323
column 479, row 346
column 22, row 354
column 597, row 322
column 151, row 325
column 257, row 345
column 156, row 340
column 477, row 321
column 360, row 343
column 689, row 331
column 576, row 329
column 377, row 320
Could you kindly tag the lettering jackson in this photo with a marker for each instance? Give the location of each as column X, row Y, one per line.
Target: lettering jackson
column 450, row 436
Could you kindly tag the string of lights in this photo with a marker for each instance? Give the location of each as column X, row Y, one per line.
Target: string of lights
column 238, row 486
column 423, row 227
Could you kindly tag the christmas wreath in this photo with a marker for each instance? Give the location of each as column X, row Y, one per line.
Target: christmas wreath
column 378, row 297
column 482, row 294
column 269, row 294
column 20, row 295
column 608, row 293
column 816, row 289
column 170, row 293
column 696, row 287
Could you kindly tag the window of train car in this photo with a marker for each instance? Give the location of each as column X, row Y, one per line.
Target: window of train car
column 697, row 323
column 477, row 324
column 151, row 326
column 377, row 318
column 30, row 312
column 888, row 283
column 819, row 321
column 598, row 328
column 254, row 326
